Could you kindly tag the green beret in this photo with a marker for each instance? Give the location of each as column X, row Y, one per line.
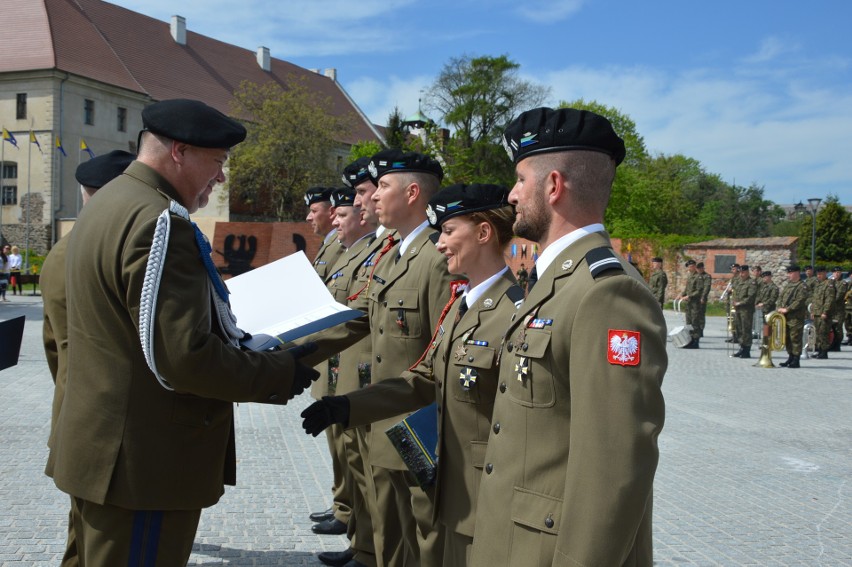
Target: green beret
column 100, row 170
column 192, row 122
column 395, row 161
column 463, row 199
column 544, row 130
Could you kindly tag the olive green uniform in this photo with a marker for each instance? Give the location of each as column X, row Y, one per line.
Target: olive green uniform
column 768, row 296
column 745, row 299
column 693, row 292
column 822, row 308
column 794, row 297
column 701, row 317
column 658, row 283
column 572, row 454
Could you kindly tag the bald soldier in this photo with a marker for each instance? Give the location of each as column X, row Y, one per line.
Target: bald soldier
column 91, row 175
column 570, row 463
column 145, row 436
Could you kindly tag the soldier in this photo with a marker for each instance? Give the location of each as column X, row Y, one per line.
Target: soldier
column 809, row 281
column 579, row 406
column 768, row 295
column 321, row 216
column 733, row 284
column 145, row 437
column 841, row 286
column 706, row 285
column 658, row 280
column 523, row 276
column 744, row 304
column 848, row 324
column 792, row 303
column 692, row 295
column 822, row 308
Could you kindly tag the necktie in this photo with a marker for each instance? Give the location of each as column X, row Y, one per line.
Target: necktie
column 207, row 260
column 463, row 307
column 532, row 279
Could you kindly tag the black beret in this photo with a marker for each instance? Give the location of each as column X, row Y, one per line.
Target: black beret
column 690, row 263
column 192, row 122
column 463, row 199
column 656, row 259
column 836, row 269
column 793, row 268
column 737, row 266
column 318, row 195
column 393, row 161
column 820, row 268
column 744, row 268
column 764, row 274
column 699, row 265
column 357, row 172
column 344, row 197
column 808, row 267
column 544, row 130
column 100, row 170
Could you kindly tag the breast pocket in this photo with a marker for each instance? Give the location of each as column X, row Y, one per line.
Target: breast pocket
column 532, row 372
column 536, row 519
column 471, row 374
column 403, row 318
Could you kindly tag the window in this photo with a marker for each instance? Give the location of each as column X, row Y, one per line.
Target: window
column 21, row 112
column 10, row 194
column 122, row 119
column 722, row 263
column 10, row 170
column 89, row 111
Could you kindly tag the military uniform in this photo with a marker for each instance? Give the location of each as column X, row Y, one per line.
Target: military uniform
column 585, row 338
column 840, row 288
column 848, row 323
column 794, row 297
column 822, row 307
column 768, row 297
column 745, row 300
column 701, row 317
column 694, row 290
column 658, row 283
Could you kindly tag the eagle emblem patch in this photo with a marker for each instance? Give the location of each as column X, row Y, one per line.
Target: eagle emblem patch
column 623, row 347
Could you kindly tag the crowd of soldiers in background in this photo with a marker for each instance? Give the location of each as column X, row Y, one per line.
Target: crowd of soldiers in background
column 815, row 306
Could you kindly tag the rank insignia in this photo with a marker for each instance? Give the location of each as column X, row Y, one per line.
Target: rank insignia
column 522, row 367
column 460, row 352
column 467, row 378
column 540, row 323
column 566, row 265
column 488, row 303
column 477, row 343
column 623, row 347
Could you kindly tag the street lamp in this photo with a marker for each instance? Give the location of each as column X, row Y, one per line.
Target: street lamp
column 814, row 203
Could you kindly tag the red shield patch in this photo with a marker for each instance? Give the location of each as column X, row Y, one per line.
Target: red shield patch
column 623, row 347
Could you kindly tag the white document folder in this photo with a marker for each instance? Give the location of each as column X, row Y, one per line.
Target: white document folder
column 282, row 301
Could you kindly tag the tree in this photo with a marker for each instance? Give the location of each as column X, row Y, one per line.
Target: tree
column 479, row 96
column 363, row 149
column 833, row 233
column 289, row 148
column 395, row 132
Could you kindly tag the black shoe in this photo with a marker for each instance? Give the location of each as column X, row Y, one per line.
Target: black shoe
column 745, row 352
column 730, row 341
column 354, row 563
column 739, row 353
column 336, row 558
column 322, row 516
column 329, row 527
column 787, row 362
column 821, row 354
column 691, row 344
column 794, row 363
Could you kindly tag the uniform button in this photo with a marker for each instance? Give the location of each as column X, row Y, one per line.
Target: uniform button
column 384, row 303
column 378, row 358
column 549, row 522
column 496, row 428
column 488, row 468
column 525, row 347
column 381, row 330
column 509, row 347
column 470, row 359
column 440, row 384
column 399, row 302
column 502, row 387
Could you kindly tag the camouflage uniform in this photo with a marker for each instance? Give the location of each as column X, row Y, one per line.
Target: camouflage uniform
column 794, row 297
column 768, row 296
column 822, row 308
column 658, row 283
column 744, row 301
column 694, row 289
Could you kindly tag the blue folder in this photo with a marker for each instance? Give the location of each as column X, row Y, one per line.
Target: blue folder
column 416, row 440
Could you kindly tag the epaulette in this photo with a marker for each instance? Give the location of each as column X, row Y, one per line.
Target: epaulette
column 515, row 294
column 434, row 237
column 601, row 260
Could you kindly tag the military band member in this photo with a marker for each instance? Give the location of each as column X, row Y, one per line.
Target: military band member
column 744, row 304
column 823, row 296
column 809, row 280
column 579, row 407
column 706, row 286
column 658, row 280
column 321, row 217
column 733, row 284
column 768, row 295
column 91, row 175
column 841, row 286
column 460, row 367
column 145, row 435
column 692, row 294
column 792, row 303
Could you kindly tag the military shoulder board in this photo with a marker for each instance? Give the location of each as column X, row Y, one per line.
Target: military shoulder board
column 601, row 260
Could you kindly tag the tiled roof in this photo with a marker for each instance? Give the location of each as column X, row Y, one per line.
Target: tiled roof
column 114, row 45
column 769, row 242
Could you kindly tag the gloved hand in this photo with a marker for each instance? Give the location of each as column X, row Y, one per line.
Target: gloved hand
column 325, row 412
column 303, row 375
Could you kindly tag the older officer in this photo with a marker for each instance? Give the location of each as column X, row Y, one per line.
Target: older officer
column 145, row 437
column 793, row 304
column 744, row 304
column 658, row 280
column 91, row 175
column 460, row 367
column 570, row 463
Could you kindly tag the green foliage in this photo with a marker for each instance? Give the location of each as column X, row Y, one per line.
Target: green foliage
column 367, row 148
column 833, row 233
column 395, row 133
column 289, row 148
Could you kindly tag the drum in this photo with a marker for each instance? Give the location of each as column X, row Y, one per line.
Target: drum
column 680, row 336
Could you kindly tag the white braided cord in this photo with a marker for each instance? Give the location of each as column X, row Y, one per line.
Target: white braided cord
column 150, row 289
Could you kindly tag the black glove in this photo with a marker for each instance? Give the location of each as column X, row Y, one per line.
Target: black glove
column 303, row 376
column 327, row 411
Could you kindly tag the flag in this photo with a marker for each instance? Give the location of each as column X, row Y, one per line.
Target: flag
column 9, row 137
column 85, row 148
column 34, row 140
column 59, row 146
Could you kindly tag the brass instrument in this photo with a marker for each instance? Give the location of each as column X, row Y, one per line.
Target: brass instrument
column 809, row 338
column 757, row 323
column 774, row 332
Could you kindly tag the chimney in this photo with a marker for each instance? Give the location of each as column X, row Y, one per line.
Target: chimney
column 314, row 71
column 263, row 58
column 179, row 29
column 331, row 73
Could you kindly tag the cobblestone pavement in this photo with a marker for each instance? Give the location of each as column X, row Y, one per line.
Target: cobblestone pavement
column 755, row 469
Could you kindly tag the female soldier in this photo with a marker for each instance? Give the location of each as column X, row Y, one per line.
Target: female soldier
column 459, row 370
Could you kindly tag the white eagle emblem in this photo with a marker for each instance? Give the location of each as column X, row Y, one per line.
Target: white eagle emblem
column 623, row 348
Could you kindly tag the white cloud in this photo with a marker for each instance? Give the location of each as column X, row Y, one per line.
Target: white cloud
column 378, row 98
column 770, row 49
column 549, row 11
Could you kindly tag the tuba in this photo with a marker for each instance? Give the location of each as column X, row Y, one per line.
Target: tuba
column 774, row 331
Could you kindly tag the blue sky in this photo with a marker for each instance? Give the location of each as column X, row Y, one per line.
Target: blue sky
column 758, row 91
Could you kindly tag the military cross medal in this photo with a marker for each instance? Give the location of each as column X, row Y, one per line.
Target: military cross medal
column 467, row 378
column 461, row 350
column 522, row 367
